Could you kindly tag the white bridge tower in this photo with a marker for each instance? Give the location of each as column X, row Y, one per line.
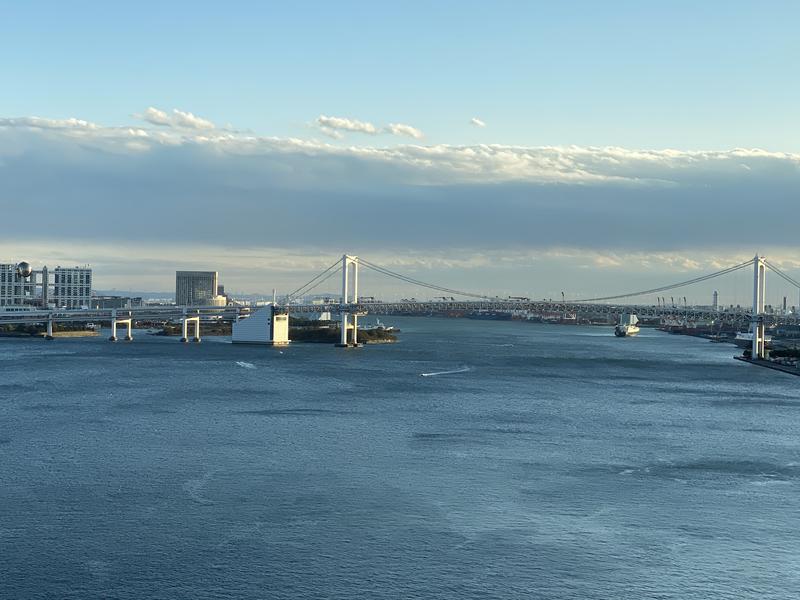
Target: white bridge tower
column 349, row 297
column 759, row 291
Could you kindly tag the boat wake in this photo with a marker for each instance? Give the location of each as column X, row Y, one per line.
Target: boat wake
column 434, row 374
column 245, row 365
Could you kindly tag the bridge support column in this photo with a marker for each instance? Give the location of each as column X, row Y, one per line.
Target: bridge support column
column 343, row 331
column 757, row 350
column 113, row 337
column 279, row 327
column 349, row 318
column 185, row 328
column 49, row 335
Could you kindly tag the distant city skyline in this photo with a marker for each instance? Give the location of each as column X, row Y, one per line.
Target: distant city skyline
column 511, row 147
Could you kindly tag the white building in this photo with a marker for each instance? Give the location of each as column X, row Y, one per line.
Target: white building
column 65, row 287
column 15, row 289
column 72, row 287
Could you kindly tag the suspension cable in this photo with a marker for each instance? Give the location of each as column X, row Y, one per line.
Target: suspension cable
column 302, row 287
column 671, row 286
column 781, row 274
column 330, row 272
column 321, row 281
column 420, row 283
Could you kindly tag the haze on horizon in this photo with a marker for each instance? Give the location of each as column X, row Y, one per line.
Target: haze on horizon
column 506, row 147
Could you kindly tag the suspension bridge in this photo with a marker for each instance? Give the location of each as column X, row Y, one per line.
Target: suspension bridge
column 270, row 324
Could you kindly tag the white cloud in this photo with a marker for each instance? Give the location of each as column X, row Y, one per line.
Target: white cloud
column 155, row 116
column 40, row 123
column 332, row 133
column 178, row 119
column 427, row 165
column 190, row 121
column 336, row 124
column 477, row 122
column 401, row 129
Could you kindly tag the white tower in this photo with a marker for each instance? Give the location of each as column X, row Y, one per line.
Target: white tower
column 759, row 291
column 349, row 297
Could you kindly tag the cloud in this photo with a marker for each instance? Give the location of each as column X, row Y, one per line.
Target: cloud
column 156, row 117
column 477, row 122
column 40, row 123
column 337, row 124
column 401, row 129
column 178, row 119
column 490, row 208
column 334, row 126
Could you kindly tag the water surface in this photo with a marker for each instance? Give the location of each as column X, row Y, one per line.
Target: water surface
column 533, row 461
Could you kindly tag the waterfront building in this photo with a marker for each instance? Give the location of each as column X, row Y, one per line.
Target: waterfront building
column 14, row 288
column 198, row 288
column 21, row 285
column 72, row 287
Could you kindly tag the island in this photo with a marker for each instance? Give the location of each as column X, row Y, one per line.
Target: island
column 300, row 330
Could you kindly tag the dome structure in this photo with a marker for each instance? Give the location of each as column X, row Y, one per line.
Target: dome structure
column 24, row 269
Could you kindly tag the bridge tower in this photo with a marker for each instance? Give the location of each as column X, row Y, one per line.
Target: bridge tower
column 759, row 291
column 349, row 297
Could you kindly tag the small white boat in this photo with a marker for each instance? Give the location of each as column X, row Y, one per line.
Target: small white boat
column 378, row 325
column 627, row 325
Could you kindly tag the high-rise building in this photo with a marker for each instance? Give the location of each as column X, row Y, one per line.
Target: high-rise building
column 72, row 287
column 64, row 288
column 15, row 289
column 195, row 288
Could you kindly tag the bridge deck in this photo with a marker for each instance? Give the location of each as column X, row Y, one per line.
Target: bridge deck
column 158, row 313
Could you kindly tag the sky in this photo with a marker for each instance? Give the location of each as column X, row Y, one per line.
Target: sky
column 523, row 148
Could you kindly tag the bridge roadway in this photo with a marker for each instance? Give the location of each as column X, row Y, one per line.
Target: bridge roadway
column 105, row 315
column 229, row 313
column 732, row 316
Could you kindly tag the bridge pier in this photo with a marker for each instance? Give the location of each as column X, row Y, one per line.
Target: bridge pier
column 279, row 327
column 185, row 328
column 349, row 331
column 115, row 321
column 49, row 335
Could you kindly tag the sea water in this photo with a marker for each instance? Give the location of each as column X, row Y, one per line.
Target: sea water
column 533, row 461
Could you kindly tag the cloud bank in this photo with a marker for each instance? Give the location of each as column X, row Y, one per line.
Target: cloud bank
column 70, row 179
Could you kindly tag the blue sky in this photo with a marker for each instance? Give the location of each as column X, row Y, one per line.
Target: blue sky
column 687, row 75
column 533, row 147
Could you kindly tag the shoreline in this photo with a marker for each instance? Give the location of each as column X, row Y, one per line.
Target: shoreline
column 769, row 365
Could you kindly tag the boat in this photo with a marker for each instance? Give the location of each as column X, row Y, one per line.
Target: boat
column 744, row 339
column 627, row 325
column 379, row 325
